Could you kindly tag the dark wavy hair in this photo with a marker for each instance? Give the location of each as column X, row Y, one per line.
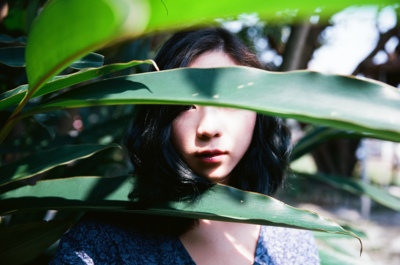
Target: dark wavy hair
column 160, row 173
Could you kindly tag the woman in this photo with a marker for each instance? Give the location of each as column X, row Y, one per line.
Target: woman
column 180, row 151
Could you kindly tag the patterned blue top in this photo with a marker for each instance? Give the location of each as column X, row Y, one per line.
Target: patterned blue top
column 94, row 242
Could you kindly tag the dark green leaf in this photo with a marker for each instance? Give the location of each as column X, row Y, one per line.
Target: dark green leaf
column 13, row 97
column 317, row 136
column 89, row 61
column 8, row 39
column 46, row 160
column 338, row 101
column 220, row 202
column 13, row 56
column 357, row 187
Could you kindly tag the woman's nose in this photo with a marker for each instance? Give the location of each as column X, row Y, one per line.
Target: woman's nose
column 209, row 125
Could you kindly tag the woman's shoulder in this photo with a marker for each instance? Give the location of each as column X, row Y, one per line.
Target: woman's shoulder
column 112, row 241
column 282, row 245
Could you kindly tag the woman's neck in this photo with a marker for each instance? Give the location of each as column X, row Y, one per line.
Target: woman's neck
column 215, row 242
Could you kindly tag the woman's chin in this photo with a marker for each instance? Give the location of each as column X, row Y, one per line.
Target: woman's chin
column 218, row 179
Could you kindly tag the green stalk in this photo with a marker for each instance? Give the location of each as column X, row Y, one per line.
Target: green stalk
column 13, row 119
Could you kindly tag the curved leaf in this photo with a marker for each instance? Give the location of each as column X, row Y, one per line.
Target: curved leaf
column 357, row 187
column 338, row 101
column 49, row 49
column 4, row 38
column 89, row 61
column 330, row 256
column 13, row 56
column 46, row 160
column 168, row 14
column 317, row 136
column 220, row 202
column 13, row 97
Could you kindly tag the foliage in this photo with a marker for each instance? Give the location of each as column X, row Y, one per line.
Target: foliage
column 48, row 159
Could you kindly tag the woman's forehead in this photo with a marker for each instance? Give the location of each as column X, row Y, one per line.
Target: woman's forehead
column 212, row 59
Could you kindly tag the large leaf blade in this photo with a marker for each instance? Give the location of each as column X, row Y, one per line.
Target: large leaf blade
column 342, row 102
column 317, row 136
column 89, row 61
column 43, row 161
column 114, row 21
column 14, row 96
column 12, row 56
column 220, row 202
column 15, row 57
column 167, row 15
column 49, row 49
column 357, row 187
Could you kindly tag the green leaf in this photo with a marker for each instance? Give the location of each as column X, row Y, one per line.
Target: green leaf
column 43, row 161
column 220, row 202
column 339, row 250
column 13, row 97
column 50, row 50
column 326, row 236
column 317, row 136
column 357, row 187
column 22, row 243
column 13, row 56
column 343, row 102
column 329, row 256
column 89, row 61
column 4, row 38
column 168, row 14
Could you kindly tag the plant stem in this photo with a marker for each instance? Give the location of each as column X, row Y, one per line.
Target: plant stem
column 13, row 119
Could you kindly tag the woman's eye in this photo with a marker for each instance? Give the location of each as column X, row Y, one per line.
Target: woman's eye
column 188, row 107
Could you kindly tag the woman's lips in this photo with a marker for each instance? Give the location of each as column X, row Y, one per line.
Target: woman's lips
column 212, row 156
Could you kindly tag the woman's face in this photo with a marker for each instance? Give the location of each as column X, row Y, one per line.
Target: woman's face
column 212, row 140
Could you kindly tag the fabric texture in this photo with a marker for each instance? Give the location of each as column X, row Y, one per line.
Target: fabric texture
column 96, row 242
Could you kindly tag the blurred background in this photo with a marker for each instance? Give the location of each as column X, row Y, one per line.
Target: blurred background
column 359, row 41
